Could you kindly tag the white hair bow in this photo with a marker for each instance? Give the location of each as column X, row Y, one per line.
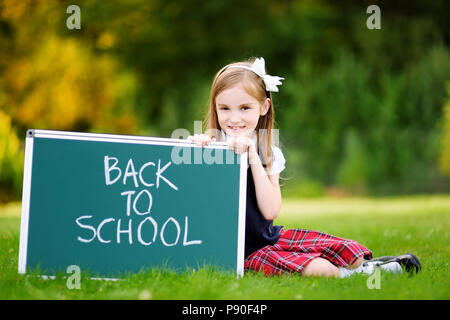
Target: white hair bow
column 259, row 67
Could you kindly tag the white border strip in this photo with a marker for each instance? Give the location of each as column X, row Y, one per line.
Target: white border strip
column 26, row 193
column 242, row 213
column 68, row 135
column 45, row 277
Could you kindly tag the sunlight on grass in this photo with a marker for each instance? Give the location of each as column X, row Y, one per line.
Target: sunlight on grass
column 11, row 209
column 392, row 206
column 324, row 206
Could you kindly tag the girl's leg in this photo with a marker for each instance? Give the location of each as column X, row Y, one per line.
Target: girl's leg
column 357, row 263
column 299, row 250
column 320, row 267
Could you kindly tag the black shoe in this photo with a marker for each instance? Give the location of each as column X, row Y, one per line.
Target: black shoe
column 408, row 261
column 382, row 259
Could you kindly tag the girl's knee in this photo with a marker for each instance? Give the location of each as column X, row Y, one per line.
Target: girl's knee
column 357, row 263
column 320, row 267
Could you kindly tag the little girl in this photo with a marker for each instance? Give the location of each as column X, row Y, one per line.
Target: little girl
column 241, row 113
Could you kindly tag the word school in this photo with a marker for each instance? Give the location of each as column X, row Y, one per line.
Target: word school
column 113, row 174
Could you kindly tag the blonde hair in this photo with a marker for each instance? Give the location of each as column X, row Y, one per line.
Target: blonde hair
column 254, row 86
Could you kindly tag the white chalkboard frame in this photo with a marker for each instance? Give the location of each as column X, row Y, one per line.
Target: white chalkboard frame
column 54, row 134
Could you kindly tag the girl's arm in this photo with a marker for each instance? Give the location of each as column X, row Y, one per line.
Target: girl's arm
column 267, row 188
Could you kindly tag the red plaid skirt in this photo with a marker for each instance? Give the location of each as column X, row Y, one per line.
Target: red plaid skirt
column 297, row 247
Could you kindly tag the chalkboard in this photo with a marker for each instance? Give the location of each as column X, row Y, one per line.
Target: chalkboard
column 115, row 204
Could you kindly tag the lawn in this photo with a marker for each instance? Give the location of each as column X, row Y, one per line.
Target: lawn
column 387, row 226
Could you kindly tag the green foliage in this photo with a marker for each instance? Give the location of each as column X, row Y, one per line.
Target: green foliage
column 11, row 160
column 303, row 189
column 353, row 172
column 362, row 107
column 377, row 132
column 59, row 82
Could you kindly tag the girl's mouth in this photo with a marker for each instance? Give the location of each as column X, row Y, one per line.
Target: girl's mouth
column 236, row 128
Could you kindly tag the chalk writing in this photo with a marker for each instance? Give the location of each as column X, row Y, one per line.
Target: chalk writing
column 127, row 229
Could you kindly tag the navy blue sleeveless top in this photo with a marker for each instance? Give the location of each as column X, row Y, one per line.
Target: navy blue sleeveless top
column 259, row 232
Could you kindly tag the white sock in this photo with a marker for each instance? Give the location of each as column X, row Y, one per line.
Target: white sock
column 369, row 267
column 393, row 267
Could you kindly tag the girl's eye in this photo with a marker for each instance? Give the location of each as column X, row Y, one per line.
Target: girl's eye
column 245, row 108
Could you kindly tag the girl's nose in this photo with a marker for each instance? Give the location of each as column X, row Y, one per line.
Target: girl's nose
column 235, row 118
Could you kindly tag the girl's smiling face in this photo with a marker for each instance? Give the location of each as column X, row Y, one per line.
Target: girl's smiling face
column 238, row 112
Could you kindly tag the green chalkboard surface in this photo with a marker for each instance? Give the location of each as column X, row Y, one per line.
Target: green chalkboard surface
column 113, row 204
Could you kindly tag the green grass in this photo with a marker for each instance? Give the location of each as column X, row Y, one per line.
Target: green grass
column 389, row 226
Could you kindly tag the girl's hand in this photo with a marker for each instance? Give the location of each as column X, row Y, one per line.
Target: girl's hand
column 201, row 139
column 241, row 144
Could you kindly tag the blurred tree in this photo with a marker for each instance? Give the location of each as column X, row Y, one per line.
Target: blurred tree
column 145, row 67
column 11, row 160
column 62, row 86
column 445, row 153
column 56, row 82
column 353, row 172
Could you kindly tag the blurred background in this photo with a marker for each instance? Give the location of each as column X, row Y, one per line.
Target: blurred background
column 361, row 112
